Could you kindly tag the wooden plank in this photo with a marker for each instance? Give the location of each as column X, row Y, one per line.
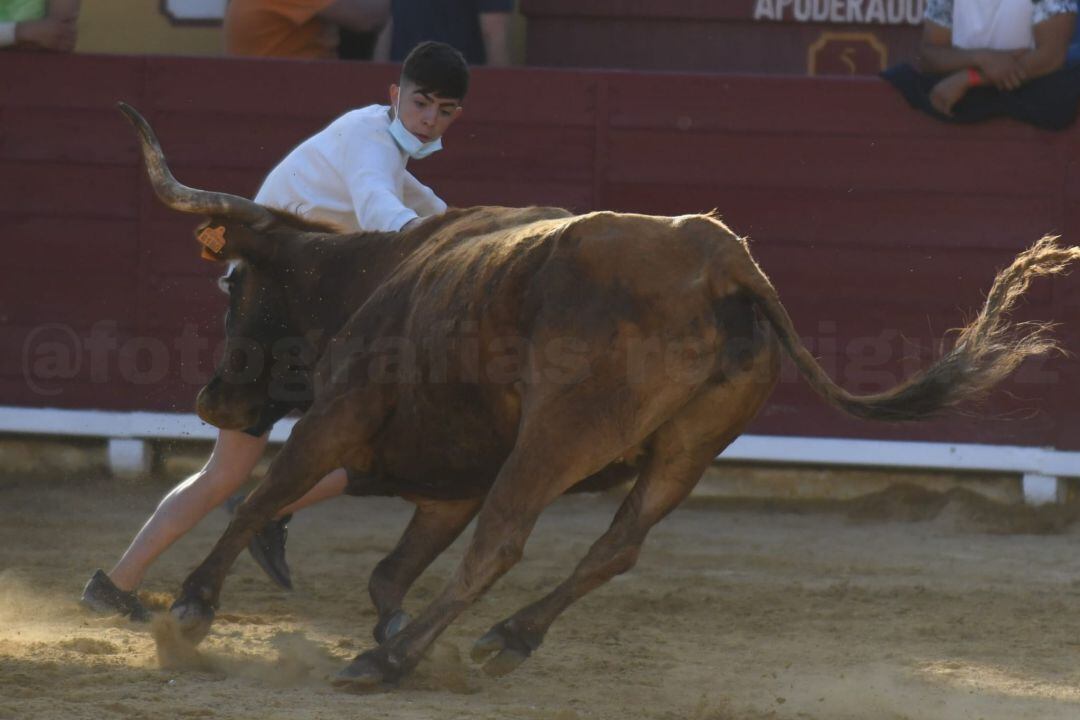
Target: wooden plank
column 46, row 350
column 857, row 106
column 540, row 96
column 860, row 218
column 804, row 420
column 67, row 190
column 264, row 86
column 1066, row 305
column 944, row 275
column 65, row 82
column 180, row 305
column 64, row 295
column 836, row 163
column 256, row 87
column 493, row 151
column 105, row 366
column 90, row 247
column 473, row 149
column 518, row 192
column 43, row 134
column 77, row 394
column 208, row 139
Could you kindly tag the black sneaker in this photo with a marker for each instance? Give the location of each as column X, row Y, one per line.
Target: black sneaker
column 267, row 546
column 102, row 596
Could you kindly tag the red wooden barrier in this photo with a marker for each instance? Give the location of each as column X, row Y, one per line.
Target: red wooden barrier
column 799, row 37
column 880, row 227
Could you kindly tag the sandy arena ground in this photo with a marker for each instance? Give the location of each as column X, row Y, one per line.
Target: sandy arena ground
column 903, row 605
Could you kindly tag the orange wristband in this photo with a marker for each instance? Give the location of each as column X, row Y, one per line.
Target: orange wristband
column 974, row 77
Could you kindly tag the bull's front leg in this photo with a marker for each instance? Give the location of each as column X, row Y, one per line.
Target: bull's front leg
column 529, row 480
column 434, row 526
column 314, row 449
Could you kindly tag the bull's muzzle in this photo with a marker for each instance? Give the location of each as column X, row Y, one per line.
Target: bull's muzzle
column 227, row 406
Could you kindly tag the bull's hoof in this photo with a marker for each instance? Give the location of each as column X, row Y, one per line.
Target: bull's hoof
column 367, row 672
column 391, row 626
column 194, row 617
column 503, row 648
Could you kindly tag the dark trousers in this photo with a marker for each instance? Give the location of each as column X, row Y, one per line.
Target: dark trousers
column 1048, row 102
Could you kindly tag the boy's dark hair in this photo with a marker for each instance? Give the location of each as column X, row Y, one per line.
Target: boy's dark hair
column 437, row 69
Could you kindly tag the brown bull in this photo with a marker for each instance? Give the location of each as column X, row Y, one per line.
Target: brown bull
column 492, row 359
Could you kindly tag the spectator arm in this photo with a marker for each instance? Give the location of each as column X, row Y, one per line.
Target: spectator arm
column 381, row 52
column 357, row 15
column 1052, row 37
column 64, row 9
column 495, row 28
column 56, row 31
column 937, row 56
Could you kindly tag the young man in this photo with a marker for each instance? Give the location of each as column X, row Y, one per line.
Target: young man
column 988, row 58
column 353, row 174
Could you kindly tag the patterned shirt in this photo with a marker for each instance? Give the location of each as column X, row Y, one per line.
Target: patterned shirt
column 940, row 12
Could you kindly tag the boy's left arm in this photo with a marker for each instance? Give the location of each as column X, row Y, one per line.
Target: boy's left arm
column 420, row 198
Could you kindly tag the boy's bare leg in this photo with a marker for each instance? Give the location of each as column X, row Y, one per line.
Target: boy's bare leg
column 329, row 487
column 234, row 456
column 230, row 464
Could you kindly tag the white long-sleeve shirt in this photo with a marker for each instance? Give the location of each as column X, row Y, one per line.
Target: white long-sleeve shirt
column 351, row 174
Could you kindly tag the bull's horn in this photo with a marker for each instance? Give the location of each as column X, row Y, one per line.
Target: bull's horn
column 181, row 197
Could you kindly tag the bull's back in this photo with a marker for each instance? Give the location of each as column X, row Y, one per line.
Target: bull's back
column 472, row 304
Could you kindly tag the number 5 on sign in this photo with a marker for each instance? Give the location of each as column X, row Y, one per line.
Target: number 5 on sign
column 855, row 53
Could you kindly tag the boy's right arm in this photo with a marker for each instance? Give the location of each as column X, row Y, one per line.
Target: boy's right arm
column 421, row 198
column 370, row 171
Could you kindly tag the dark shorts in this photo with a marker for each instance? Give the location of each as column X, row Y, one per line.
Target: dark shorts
column 1048, row 102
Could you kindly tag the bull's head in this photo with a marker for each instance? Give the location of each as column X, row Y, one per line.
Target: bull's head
column 248, row 237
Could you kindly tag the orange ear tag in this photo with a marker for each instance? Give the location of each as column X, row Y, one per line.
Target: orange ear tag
column 212, row 238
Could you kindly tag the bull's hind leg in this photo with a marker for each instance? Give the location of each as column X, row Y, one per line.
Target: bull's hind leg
column 434, row 526
column 681, row 452
column 663, row 484
column 327, row 437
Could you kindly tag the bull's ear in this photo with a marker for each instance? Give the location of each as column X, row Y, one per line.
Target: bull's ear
column 212, row 239
column 235, row 241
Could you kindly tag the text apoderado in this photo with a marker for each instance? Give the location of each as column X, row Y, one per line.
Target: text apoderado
column 868, row 12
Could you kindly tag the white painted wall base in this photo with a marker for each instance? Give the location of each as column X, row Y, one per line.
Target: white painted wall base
column 108, row 424
column 1043, row 489
column 128, row 457
column 1042, row 468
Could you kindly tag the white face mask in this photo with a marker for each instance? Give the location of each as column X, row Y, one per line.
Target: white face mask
column 409, row 143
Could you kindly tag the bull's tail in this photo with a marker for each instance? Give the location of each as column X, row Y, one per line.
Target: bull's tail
column 985, row 352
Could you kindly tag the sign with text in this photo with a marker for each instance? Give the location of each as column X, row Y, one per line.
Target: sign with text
column 846, row 12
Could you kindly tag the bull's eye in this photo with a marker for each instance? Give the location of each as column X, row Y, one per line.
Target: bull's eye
column 226, row 281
